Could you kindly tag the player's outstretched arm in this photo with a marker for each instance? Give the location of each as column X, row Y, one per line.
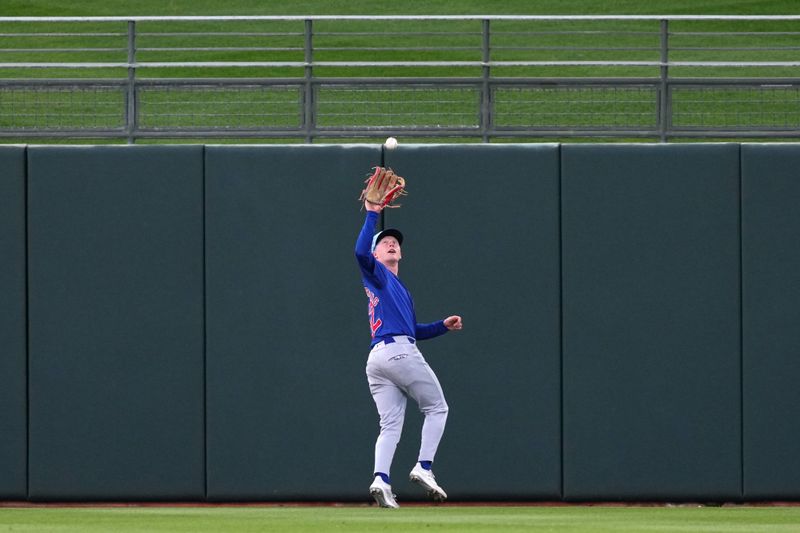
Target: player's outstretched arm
column 363, row 253
column 453, row 322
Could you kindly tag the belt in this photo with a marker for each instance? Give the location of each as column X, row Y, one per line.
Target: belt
column 402, row 339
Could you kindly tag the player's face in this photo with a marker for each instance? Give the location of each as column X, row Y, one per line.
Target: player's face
column 388, row 250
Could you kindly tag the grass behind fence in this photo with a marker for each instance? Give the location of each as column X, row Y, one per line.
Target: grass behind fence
column 334, row 41
column 389, row 7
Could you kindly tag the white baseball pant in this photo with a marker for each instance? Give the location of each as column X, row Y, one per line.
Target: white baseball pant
column 396, row 372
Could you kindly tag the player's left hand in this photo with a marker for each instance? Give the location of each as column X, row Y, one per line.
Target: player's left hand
column 453, row 322
column 369, row 206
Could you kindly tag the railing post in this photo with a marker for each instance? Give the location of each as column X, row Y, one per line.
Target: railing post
column 664, row 99
column 486, row 96
column 308, row 101
column 130, row 122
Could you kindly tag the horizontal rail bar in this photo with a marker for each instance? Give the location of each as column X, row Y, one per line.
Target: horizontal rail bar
column 405, row 33
column 221, row 49
column 220, row 34
column 41, row 50
column 397, row 81
column 732, row 48
column 299, row 134
column 49, row 34
column 356, row 64
column 576, row 32
column 190, row 18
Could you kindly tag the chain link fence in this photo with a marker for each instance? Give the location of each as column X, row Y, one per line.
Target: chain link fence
column 478, row 78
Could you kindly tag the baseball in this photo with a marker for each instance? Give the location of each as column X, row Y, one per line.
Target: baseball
column 390, row 143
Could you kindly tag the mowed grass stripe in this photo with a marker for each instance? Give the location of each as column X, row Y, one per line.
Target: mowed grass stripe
column 564, row 519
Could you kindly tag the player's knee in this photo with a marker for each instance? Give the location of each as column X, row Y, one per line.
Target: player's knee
column 391, row 423
column 438, row 408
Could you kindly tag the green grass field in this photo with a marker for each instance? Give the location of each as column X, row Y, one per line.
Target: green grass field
column 561, row 519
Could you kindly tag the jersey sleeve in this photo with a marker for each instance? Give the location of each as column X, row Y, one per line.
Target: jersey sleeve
column 366, row 261
column 428, row 331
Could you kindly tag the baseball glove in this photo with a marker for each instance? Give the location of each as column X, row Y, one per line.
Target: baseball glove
column 383, row 187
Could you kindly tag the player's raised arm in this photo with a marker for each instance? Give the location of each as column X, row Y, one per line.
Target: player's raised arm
column 364, row 243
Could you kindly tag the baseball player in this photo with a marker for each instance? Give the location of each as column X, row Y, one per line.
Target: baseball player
column 396, row 370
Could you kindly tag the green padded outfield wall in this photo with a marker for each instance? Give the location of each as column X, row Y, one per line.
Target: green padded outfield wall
column 771, row 313
column 651, row 354
column 13, row 328
column 489, row 253
column 290, row 416
column 116, row 323
column 197, row 329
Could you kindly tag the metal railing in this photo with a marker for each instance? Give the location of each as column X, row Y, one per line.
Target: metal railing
column 473, row 77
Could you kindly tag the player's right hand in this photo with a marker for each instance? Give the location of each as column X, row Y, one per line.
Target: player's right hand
column 453, row 322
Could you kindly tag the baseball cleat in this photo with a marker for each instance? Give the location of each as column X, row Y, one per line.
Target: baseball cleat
column 382, row 492
column 426, row 480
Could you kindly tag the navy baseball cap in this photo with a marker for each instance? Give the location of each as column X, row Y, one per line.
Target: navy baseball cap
column 390, row 232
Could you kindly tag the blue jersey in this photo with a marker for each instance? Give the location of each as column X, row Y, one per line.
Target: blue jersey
column 390, row 307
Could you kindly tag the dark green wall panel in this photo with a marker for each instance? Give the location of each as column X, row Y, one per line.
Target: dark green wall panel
column 194, row 339
column 13, row 386
column 289, row 410
column 116, row 322
column 651, row 355
column 771, row 313
column 488, row 252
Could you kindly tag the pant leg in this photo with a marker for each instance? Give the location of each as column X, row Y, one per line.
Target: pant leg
column 390, row 401
column 426, row 390
column 394, row 372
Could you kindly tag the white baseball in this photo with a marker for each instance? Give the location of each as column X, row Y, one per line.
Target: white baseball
column 390, row 143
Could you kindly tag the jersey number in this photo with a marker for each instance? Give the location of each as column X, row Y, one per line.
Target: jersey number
column 373, row 303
